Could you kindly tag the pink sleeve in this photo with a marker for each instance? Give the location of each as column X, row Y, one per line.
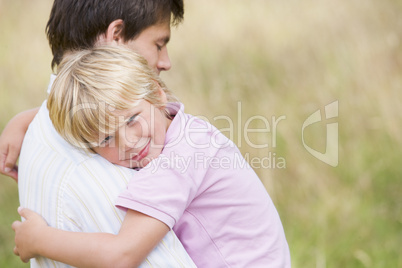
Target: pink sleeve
column 160, row 190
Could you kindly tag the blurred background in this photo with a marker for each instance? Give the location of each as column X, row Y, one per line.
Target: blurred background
column 271, row 59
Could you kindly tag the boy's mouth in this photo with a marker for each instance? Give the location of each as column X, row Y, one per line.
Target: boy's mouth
column 142, row 153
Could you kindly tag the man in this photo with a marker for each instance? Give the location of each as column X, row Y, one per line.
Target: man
column 76, row 191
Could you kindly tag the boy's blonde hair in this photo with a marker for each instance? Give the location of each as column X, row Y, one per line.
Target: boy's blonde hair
column 92, row 89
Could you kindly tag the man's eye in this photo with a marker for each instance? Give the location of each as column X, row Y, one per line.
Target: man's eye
column 159, row 47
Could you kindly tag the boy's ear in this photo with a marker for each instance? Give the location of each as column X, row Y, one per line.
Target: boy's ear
column 162, row 93
column 113, row 34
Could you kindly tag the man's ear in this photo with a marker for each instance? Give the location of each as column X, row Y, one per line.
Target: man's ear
column 113, row 34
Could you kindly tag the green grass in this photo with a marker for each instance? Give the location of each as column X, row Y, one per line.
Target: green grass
column 278, row 58
column 8, row 213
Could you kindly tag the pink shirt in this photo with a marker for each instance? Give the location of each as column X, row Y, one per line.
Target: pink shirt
column 202, row 187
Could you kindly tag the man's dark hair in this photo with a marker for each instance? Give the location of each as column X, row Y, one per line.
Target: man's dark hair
column 76, row 24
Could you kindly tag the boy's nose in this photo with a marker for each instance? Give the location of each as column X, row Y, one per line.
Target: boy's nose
column 128, row 141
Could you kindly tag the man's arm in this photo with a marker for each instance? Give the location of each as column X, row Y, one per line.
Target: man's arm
column 11, row 141
column 138, row 235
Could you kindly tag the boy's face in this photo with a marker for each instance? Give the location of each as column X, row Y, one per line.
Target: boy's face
column 151, row 44
column 139, row 140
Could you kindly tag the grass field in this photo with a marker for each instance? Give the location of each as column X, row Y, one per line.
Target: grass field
column 270, row 63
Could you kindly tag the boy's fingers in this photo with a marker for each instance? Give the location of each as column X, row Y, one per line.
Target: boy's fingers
column 25, row 212
column 13, row 174
column 11, row 159
column 7, row 164
column 3, row 156
column 10, row 163
column 21, row 211
column 16, row 251
column 15, row 225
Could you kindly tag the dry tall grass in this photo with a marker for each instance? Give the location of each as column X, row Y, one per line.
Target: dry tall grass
column 273, row 58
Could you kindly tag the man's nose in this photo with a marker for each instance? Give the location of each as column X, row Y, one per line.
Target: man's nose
column 164, row 63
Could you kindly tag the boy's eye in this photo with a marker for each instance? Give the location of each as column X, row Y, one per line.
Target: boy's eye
column 106, row 140
column 130, row 121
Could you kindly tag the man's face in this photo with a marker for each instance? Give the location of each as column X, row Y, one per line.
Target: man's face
column 151, row 44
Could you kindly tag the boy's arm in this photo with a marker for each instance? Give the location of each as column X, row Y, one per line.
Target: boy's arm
column 11, row 142
column 138, row 235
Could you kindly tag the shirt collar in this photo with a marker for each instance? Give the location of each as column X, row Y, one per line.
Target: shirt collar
column 174, row 132
column 49, row 87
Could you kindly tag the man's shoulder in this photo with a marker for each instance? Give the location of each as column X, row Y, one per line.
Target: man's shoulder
column 43, row 136
column 73, row 196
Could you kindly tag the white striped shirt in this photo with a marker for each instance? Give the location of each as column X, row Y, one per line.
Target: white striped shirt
column 76, row 191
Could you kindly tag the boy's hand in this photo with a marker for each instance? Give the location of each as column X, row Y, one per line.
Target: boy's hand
column 27, row 234
column 11, row 142
column 10, row 147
